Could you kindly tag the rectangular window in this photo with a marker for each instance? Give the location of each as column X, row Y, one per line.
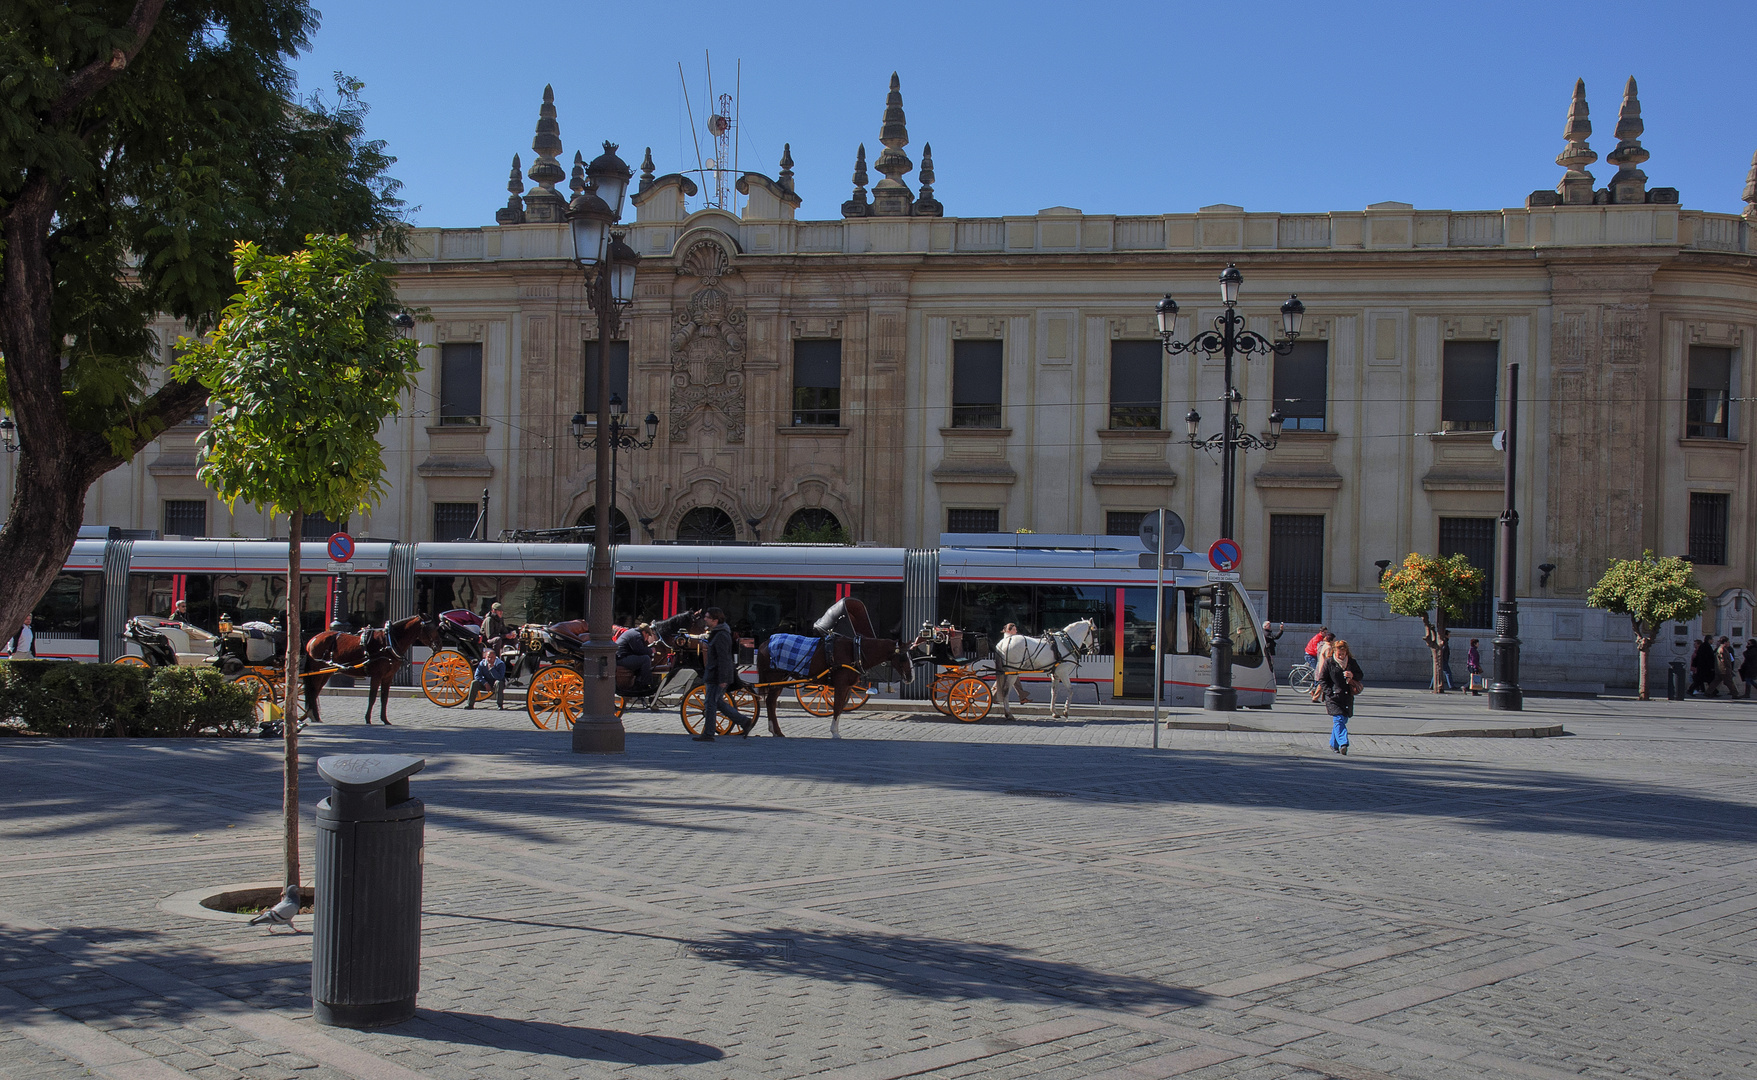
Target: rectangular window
column 453, row 521
column 1302, row 387
column 618, row 377
column 1470, row 371
column 1124, row 522
column 976, row 384
column 817, row 383
column 1136, row 384
column 973, row 521
column 1708, row 527
column 1474, row 538
column 318, row 527
column 1709, row 394
column 185, row 517
column 460, row 383
column 1296, row 568
column 72, row 608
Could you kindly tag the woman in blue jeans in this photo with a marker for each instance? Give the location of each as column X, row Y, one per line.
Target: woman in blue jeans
column 1339, row 679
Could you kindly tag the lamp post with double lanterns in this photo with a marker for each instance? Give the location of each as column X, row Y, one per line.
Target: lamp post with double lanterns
column 622, row 437
column 609, row 266
column 1228, row 338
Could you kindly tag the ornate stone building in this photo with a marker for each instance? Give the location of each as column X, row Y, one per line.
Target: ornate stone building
column 908, row 373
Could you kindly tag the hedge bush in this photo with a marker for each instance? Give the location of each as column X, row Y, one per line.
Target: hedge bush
column 64, row 698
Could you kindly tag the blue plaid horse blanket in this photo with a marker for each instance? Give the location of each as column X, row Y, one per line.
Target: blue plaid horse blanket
column 792, row 652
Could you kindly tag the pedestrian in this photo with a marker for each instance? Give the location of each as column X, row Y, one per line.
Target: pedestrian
column 1726, row 669
column 23, row 643
column 490, row 675
column 718, row 674
column 1340, row 679
column 494, row 626
column 1007, row 631
column 1473, row 667
column 1702, row 668
column 1317, row 640
column 1325, row 647
column 634, row 651
column 1748, row 669
column 1269, row 640
column 1446, row 659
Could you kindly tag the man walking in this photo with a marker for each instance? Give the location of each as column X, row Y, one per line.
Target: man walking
column 718, row 674
column 1726, row 669
column 23, row 643
column 490, row 675
column 1269, row 640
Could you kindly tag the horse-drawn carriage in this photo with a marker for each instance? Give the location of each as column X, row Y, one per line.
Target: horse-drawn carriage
column 558, row 690
column 960, row 686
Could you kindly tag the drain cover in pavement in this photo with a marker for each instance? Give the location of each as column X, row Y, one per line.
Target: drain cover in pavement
column 752, row 949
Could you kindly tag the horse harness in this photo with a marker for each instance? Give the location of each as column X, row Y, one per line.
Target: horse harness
column 1061, row 648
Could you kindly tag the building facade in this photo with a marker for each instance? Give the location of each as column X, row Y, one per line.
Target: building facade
column 899, row 373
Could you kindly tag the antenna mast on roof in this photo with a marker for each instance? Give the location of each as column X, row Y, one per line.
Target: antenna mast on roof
column 719, row 173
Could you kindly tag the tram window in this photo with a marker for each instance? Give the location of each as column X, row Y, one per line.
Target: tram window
column 639, row 600
column 985, row 608
column 149, row 594
column 521, row 599
column 884, row 603
column 72, row 608
column 1059, row 605
column 368, row 600
column 1247, row 647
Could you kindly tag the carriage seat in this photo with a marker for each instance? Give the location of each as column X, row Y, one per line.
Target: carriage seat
column 847, row 617
column 262, row 641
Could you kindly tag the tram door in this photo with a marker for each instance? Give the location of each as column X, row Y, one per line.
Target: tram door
column 1188, row 670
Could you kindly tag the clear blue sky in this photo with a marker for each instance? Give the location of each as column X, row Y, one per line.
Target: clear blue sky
column 1110, row 107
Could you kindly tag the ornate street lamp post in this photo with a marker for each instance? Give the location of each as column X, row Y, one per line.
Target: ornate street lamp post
column 1228, row 338
column 609, row 266
column 622, row 437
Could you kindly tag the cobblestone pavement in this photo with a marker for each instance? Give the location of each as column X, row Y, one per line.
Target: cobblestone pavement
column 923, row 899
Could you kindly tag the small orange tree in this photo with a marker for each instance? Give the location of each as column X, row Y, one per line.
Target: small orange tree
column 1652, row 592
column 1443, row 587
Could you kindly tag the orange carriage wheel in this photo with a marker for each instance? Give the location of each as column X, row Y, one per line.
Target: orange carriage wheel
column 556, row 698
column 969, row 699
column 446, row 678
column 690, row 711
column 132, row 661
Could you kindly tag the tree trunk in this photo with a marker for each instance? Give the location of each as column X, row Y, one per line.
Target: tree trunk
column 290, row 717
column 1641, row 647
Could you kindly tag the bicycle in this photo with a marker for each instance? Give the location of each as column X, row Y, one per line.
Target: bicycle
column 1301, row 676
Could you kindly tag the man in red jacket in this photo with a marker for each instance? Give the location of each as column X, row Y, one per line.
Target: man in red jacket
column 1317, row 640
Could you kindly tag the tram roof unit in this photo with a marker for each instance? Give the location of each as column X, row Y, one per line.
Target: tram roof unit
column 240, row 556
column 1074, row 558
column 802, row 562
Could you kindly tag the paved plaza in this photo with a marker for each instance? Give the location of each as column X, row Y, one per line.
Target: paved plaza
column 922, row 898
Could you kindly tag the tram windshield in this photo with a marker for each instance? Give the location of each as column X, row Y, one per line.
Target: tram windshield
column 1247, row 647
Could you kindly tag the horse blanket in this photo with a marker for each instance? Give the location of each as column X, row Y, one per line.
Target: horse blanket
column 792, row 652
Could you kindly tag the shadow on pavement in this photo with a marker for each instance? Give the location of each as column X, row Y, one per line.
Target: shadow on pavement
column 559, row 1040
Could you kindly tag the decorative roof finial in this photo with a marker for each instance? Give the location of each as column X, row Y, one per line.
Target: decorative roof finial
column 927, row 205
column 577, row 182
column 646, row 170
column 545, row 204
column 856, row 206
column 514, row 211
column 786, row 178
column 1630, row 183
column 891, row 197
column 1576, row 185
column 1751, row 192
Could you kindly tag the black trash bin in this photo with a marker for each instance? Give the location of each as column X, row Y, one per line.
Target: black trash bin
column 1676, row 684
column 366, row 937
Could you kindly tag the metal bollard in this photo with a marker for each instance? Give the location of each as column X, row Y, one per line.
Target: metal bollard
column 1675, row 686
column 366, row 925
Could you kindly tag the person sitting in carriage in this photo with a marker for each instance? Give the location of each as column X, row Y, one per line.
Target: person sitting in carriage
column 634, row 651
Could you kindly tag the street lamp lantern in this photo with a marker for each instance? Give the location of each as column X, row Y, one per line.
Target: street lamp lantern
column 1167, row 311
column 590, row 217
column 623, row 263
column 610, row 175
column 1230, row 280
column 1228, row 338
column 1291, row 314
column 652, row 425
column 579, row 427
column 617, row 409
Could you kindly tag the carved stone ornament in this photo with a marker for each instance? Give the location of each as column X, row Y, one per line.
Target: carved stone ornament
column 706, row 260
column 707, row 360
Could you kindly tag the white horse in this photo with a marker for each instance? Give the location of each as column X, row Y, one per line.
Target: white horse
column 1057, row 652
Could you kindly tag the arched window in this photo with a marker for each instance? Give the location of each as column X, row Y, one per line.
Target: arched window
column 707, row 525
column 814, row 525
column 619, row 532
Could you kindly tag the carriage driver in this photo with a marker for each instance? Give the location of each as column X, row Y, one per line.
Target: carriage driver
column 634, row 651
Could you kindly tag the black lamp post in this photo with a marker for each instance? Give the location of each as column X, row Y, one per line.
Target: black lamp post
column 1228, row 338
column 621, row 437
column 8, row 433
column 1504, row 690
column 609, row 266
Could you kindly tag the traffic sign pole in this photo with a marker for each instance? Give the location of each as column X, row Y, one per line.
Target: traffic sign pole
column 1158, row 623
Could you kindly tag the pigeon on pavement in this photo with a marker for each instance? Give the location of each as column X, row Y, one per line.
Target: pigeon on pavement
column 282, row 913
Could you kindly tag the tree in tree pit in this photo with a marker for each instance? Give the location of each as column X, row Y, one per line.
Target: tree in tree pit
column 1443, row 588
column 139, row 142
column 1652, row 592
column 303, row 369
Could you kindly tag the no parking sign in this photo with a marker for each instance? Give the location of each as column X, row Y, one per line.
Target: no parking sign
column 341, row 547
column 1225, row 555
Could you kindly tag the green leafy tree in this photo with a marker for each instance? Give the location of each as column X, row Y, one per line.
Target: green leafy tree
column 139, row 141
column 303, row 369
column 1433, row 590
column 1652, row 592
column 821, row 532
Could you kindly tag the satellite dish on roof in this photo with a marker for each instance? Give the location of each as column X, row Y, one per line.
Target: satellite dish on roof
column 719, row 125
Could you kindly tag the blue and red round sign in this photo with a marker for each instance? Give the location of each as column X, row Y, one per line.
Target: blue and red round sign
column 1225, row 555
column 341, row 547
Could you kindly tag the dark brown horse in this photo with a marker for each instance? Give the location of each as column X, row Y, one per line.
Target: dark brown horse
column 378, row 653
column 838, row 663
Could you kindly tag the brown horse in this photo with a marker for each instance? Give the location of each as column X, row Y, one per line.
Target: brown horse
column 379, row 652
column 839, row 663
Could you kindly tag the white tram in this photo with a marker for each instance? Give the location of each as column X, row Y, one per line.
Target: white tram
column 977, row 582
